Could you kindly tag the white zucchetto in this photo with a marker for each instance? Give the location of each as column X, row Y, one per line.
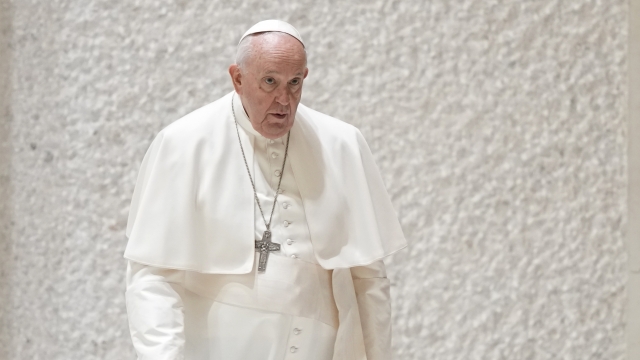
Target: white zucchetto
column 273, row 25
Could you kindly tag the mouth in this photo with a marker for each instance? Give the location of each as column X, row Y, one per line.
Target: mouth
column 279, row 116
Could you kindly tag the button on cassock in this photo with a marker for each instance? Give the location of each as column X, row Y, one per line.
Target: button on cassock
column 293, row 349
column 297, row 331
column 286, row 223
column 277, row 173
column 289, row 242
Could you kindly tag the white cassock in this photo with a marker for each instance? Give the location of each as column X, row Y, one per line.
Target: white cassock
column 193, row 291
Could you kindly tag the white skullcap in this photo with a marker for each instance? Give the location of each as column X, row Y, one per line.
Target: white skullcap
column 273, row 25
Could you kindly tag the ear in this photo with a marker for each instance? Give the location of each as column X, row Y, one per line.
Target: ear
column 236, row 78
column 306, row 72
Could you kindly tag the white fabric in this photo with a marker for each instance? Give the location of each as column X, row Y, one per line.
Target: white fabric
column 232, row 316
column 255, row 334
column 225, row 316
column 155, row 312
column 273, row 25
column 374, row 306
column 192, row 205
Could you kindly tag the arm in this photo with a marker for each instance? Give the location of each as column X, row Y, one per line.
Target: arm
column 155, row 310
column 374, row 303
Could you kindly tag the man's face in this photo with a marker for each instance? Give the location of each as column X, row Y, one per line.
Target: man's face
column 270, row 83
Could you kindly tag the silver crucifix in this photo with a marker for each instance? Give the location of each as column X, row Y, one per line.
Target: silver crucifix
column 264, row 246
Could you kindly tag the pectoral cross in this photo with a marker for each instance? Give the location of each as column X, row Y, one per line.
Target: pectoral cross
column 264, row 246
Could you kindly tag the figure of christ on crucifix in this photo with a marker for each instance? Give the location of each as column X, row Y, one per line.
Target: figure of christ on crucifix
column 265, row 246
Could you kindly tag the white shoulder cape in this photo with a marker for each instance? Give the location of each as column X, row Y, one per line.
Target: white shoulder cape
column 193, row 204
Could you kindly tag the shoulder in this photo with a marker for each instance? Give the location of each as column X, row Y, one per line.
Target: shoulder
column 200, row 123
column 327, row 126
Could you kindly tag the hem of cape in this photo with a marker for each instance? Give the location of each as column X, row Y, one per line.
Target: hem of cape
column 274, row 311
column 186, row 268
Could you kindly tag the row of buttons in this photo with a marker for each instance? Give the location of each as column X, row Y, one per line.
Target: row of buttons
column 296, row 331
column 293, row 256
column 286, row 223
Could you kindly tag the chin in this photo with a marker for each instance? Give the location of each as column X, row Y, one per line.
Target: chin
column 276, row 131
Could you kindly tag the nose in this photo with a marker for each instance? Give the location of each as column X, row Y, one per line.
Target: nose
column 282, row 96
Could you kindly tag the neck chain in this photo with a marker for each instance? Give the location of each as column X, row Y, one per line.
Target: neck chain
column 255, row 193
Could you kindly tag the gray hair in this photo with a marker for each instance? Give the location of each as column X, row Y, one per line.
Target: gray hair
column 245, row 48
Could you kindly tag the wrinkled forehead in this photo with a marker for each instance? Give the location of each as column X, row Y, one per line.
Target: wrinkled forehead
column 273, row 49
column 273, row 40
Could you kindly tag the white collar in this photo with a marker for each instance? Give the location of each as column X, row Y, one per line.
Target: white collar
column 242, row 117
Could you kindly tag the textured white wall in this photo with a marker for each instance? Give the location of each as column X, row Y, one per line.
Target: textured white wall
column 499, row 128
column 5, row 168
column 633, row 198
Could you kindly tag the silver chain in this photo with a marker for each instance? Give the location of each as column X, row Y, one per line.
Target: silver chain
column 255, row 193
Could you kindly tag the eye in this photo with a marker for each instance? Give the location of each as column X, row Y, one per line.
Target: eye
column 295, row 81
column 269, row 81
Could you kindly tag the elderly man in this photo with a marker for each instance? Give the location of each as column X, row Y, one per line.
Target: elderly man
column 258, row 225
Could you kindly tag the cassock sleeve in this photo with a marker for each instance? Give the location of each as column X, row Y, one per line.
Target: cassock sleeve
column 372, row 289
column 155, row 310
